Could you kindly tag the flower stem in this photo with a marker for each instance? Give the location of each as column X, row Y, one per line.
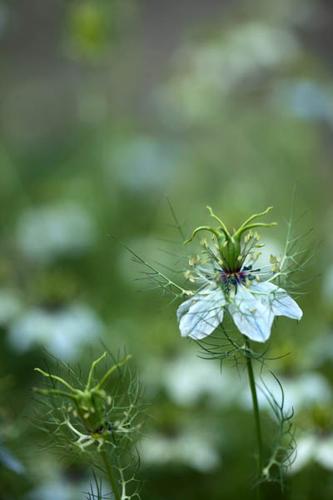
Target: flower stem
column 110, row 476
column 255, row 405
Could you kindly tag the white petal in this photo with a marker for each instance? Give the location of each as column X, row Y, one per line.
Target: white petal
column 251, row 316
column 279, row 301
column 200, row 315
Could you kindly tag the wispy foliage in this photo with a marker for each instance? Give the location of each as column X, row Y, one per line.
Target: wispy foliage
column 98, row 419
column 284, row 446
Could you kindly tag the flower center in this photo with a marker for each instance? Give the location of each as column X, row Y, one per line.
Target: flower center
column 235, row 278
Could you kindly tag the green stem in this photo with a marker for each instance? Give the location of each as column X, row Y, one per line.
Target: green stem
column 110, row 476
column 255, row 406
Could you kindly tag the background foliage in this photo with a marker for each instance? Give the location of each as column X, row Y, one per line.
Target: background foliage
column 108, row 109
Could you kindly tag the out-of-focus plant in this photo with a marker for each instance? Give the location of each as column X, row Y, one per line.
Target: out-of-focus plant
column 99, row 420
column 315, row 441
column 93, row 25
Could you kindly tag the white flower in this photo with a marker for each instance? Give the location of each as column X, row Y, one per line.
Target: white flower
column 252, row 308
column 229, row 280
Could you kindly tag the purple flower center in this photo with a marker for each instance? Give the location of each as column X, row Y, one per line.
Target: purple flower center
column 236, row 278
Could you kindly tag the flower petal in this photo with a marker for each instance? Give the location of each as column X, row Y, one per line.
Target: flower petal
column 252, row 317
column 278, row 300
column 200, row 315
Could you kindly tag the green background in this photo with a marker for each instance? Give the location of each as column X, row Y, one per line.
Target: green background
column 108, row 109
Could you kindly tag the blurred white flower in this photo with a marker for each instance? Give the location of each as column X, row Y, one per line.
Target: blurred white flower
column 300, row 392
column 189, row 378
column 249, row 49
column 320, row 349
column 142, row 164
column 63, row 332
column 313, row 448
column 10, row 306
column 211, row 71
column 188, row 448
column 305, row 99
column 52, row 482
column 48, row 232
column 54, row 490
column 61, row 488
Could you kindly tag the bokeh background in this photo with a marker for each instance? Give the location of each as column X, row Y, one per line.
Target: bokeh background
column 109, row 108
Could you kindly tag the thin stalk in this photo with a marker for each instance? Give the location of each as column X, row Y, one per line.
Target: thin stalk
column 110, row 476
column 255, row 404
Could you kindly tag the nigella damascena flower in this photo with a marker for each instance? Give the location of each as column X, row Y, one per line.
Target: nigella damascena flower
column 228, row 280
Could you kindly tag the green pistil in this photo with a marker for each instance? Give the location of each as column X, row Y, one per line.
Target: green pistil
column 229, row 245
column 230, row 253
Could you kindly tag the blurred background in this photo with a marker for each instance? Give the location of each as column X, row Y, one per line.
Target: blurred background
column 109, row 108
